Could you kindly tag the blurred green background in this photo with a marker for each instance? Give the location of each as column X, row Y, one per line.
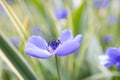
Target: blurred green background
column 97, row 20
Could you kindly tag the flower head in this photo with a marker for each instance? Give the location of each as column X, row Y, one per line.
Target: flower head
column 36, row 30
column 101, row 3
column 61, row 13
column 65, row 45
column 107, row 39
column 112, row 57
column 16, row 41
column 113, row 19
column 2, row 10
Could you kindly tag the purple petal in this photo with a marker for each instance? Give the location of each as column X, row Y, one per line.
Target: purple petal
column 112, row 60
column 67, row 48
column 113, row 52
column 107, row 38
column 108, row 63
column 61, row 14
column 118, row 65
column 78, row 38
column 65, row 35
column 36, row 30
column 101, row 3
column 113, row 19
column 34, row 51
column 38, row 41
column 16, row 41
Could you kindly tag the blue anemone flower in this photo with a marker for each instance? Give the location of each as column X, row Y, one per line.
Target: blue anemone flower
column 36, row 30
column 2, row 12
column 101, row 3
column 112, row 57
column 113, row 19
column 107, row 39
column 61, row 13
column 65, row 45
column 16, row 41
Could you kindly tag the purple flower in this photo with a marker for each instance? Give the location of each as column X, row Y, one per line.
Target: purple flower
column 100, row 3
column 16, row 41
column 112, row 57
column 61, row 13
column 2, row 10
column 9, row 1
column 107, row 39
column 65, row 45
column 36, row 30
column 113, row 19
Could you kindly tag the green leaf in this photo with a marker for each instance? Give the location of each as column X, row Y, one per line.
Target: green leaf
column 39, row 5
column 16, row 59
column 77, row 16
column 93, row 54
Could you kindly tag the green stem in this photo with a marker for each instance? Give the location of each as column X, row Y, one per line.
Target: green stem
column 57, row 68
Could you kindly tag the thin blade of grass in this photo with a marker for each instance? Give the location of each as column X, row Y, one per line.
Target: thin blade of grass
column 18, row 24
column 16, row 59
column 77, row 18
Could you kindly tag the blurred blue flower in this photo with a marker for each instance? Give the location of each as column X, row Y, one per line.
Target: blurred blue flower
column 111, row 57
column 36, row 30
column 2, row 10
column 61, row 13
column 107, row 38
column 9, row 1
column 101, row 3
column 113, row 19
column 16, row 41
column 65, row 45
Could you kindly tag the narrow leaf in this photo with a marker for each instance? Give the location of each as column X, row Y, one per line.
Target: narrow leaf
column 77, row 15
column 16, row 59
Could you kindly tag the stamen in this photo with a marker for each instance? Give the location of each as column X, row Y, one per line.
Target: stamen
column 53, row 44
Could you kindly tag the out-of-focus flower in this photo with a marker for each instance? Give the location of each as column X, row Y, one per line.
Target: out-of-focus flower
column 16, row 41
column 113, row 19
column 111, row 57
column 107, row 38
column 61, row 13
column 36, row 30
column 2, row 11
column 9, row 1
column 65, row 45
column 101, row 3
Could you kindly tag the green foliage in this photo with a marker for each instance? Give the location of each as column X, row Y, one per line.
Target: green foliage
column 18, row 19
column 16, row 59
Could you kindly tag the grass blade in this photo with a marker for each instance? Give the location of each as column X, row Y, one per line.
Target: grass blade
column 77, row 17
column 16, row 59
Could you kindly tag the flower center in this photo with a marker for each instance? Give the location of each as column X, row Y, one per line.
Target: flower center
column 54, row 44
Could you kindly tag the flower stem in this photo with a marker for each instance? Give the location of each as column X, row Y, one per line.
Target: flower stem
column 57, row 68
